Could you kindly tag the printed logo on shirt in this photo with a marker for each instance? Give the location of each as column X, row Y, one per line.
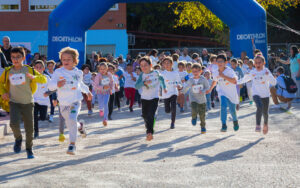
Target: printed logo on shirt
column 153, row 79
column 17, row 79
column 197, row 88
column 223, row 81
column 171, row 83
column 105, row 81
column 259, row 79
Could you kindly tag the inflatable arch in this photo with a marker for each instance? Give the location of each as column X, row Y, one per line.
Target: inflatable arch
column 69, row 22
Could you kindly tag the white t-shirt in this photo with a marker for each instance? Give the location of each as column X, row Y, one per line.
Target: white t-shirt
column 87, row 79
column 39, row 97
column 185, row 58
column 226, row 88
column 175, row 66
column 152, row 91
column 172, row 80
column 260, row 82
column 116, row 82
column 154, row 60
column 128, row 80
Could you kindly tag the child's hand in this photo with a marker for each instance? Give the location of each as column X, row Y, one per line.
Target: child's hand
column 30, row 76
column 61, row 83
column 90, row 96
column 54, row 102
column 106, row 87
column 46, row 95
column 207, row 91
column 5, row 96
column 165, row 91
column 200, row 92
column 148, row 82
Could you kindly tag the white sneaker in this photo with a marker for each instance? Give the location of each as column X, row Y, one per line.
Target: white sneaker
column 71, row 149
column 51, row 118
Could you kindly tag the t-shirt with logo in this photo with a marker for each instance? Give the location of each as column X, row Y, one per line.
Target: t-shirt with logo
column 128, row 80
column 172, row 80
column 39, row 94
column 196, row 86
column 226, row 88
column 19, row 90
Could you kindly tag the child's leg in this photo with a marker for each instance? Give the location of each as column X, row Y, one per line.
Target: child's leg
column 61, row 122
column 274, row 95
column 249, row 91
column 70, row 114
column 223, row 109
column 105, row 104
column 149, row 108
column 117, row 99
column 259, row 110
column 43, row 112
column 232, row 109
column 202, row 110
column 127, row 93
column 52, row 108
column 181, row 100
column 265, row 109
column 100, row 101
column 194, row 110
column 36, row 117
column 173, row 107
column 88, row 103
column 15, row 119
column 27, row 115
column 208, row 101
column 94, row 97
column 167, row 103
column 111, row 104
column 132, row 96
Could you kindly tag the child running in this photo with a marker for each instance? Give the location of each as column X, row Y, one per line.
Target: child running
column 226, row 79
column 18, row 83
column 129, row 86
column 41, row 98
column 87, row 80
column 103, row 86
column 50, row 71
column 173, row 83
column 182, row 74
column 261, row 78
column 150, row 82
column 68, row 81
column 207, row 75
column 116, row 87
column 238, row 71
column 198, row 85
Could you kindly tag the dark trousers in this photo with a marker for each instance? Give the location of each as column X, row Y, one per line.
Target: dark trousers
column 118, row 96
column 111, row 104
column 40, row 113
column 213, row 94
column 149, row 108
column 24, row 111
column 170, row 106
column 262, row 105
column 137, row 97
column 52, row 108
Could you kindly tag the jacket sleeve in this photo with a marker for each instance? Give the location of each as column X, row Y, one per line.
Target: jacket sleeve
column 139, row 83
column 2, row 83
column 39, row 78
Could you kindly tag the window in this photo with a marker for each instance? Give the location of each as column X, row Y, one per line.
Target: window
column 10, row 5
column 43, row 5
column 114, row 7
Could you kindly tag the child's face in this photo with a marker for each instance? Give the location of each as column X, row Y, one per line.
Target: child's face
column 188, row 67
column 214, row 61
column 233, row 64
column 40, row 68
column 86, row 70
column 50, row 67
column 138, row 71
column 111, row 70
column 207, row 75
column 221, row 63
column 67, row 61
column 129, row 69
column 196, row 72
column 250, row 65
column 168, row 65
column 259, row 64
column 93, row 77
column 181, row 68
column 17, row 59
column 103, row 69
column 146, row 68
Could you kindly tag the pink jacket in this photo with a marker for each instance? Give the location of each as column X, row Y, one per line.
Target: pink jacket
column 99, row 88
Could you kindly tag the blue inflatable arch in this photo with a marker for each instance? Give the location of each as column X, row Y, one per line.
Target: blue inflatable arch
column 69, row 22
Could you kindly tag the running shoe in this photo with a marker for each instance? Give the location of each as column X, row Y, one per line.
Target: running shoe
column 194, row 122
column 172, row 126
column 224, row 128
column 17, row 146
column 236, row 126
column 203, row 130
column 71, row 149
column 101, row 113
column 61, row 138
column 81, row 130
column 29, row 154
column 258, row 128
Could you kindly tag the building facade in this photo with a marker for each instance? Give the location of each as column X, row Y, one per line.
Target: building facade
column 26, row 23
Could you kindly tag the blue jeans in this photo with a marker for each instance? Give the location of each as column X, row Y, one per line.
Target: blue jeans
column 208, row 101
column 225, row 102
column 103, row 104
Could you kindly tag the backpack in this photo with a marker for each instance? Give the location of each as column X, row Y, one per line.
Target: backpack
column 290, row 84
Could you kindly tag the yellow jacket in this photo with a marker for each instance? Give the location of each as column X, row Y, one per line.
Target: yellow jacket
column 4, row 83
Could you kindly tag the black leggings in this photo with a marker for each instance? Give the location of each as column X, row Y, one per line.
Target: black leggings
column 111, row 104
column 149, row 108
column 170, row 105
column 118, row 96
column 262, row 105
column 40, row 113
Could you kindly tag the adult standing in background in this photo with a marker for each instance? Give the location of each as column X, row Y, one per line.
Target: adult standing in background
column 294, row 62
column 6, row 48
column 3, row 62
column 153, row 56
column 185, row 55
column 205, row 57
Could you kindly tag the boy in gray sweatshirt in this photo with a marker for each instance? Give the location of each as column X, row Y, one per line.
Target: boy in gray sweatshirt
column 198, row 86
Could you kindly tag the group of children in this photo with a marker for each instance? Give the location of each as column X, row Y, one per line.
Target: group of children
column 68, row 86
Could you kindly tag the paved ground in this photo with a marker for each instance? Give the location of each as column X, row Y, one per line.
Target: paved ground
column 119, row 156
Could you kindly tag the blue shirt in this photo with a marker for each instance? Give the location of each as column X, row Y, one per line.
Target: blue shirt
column 294, row 63
column 238, row 71
column 120, row 73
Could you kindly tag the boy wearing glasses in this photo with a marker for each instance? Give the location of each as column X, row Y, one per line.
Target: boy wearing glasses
column 18, row 83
